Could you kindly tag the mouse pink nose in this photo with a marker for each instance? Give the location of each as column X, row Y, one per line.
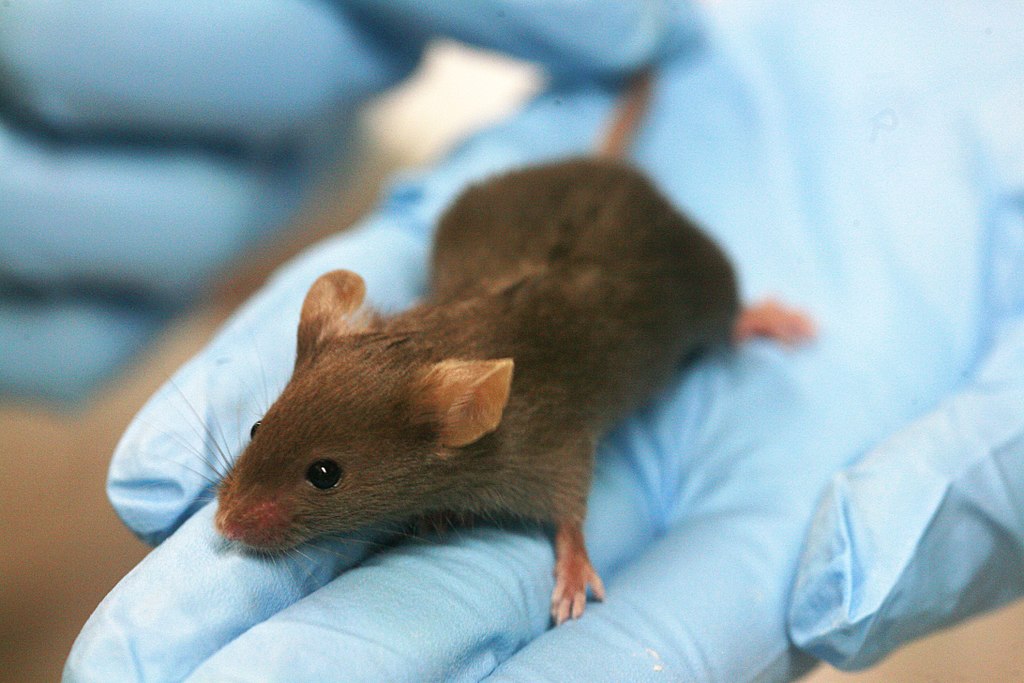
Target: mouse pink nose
column 261, row 524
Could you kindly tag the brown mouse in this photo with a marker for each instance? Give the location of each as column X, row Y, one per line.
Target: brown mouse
column 562, row 296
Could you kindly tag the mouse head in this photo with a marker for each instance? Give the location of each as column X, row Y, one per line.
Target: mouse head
column 367, row 431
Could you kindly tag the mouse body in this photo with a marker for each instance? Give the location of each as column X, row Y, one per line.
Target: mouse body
column 562, row 296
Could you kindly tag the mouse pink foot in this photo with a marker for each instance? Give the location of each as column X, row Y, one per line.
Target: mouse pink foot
column 772, row 320
column 573, row 573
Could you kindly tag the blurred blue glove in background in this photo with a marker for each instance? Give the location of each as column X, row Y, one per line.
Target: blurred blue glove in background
column 854, row 160
column 142, row 146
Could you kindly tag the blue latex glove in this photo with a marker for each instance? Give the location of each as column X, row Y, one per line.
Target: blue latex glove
column 144, row 145
column 927, row 529
column 847, row 186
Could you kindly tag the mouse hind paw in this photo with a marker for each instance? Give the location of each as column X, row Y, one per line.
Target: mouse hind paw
column 773, row 320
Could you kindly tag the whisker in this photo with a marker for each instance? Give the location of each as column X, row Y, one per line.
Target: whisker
column 401, row 533
column 199, row 434
column 263, row 371
column 224, row 440
column 212, row 464
column 207, row 491
column 225, row 460
column 313, row 581
column 358, row 541
column 238, row 423
column 273, row 561
column 213, row 482
column 299, row 552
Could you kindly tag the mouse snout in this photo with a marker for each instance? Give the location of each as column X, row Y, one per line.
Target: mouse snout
column 262, row 524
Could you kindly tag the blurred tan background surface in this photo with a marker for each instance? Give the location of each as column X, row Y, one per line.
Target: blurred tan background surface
column 62, row 548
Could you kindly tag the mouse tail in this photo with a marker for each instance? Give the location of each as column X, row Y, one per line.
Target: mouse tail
column 628, row 114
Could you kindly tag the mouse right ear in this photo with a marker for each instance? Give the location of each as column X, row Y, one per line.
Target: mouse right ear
column 466, row 398
column 327, row 310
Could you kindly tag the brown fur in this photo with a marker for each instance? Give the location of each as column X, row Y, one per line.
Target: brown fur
column 581, row 272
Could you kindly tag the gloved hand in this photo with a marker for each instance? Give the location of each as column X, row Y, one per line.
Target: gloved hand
column 927, row 529
column 846, row 194
column 142, row 146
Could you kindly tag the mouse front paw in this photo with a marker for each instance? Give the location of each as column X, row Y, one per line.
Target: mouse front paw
column 573, row 573
column 569, row 598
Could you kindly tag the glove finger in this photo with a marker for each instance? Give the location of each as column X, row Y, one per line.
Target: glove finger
column 190, row 596
column 58, row 349
column 150, row 223
column 248, row 72
column 876, row 572
column 701, row 605
column 570, row 38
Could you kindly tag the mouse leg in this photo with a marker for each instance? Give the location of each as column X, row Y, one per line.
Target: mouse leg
column 573, row 573
column 773, row 320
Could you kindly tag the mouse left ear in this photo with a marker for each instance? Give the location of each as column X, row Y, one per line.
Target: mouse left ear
column 328, row 307
column 467, row 397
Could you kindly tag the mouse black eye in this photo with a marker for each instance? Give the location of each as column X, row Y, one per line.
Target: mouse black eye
column 252, row 430
column 324, row 474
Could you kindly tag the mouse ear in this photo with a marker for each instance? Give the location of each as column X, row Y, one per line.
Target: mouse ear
column 328, row 307
column 467, row 397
